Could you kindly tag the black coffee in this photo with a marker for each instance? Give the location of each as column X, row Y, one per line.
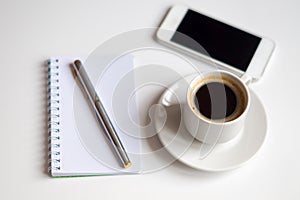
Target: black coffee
column 215, row 100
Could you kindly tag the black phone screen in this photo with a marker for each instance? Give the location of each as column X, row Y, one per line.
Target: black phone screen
column 220, row 41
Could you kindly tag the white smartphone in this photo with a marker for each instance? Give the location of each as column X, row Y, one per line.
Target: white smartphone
column 232, row 48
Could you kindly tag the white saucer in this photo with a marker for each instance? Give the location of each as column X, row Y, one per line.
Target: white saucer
column 222, row 157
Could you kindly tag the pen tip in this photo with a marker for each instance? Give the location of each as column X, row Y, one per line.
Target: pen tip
column 128, row 164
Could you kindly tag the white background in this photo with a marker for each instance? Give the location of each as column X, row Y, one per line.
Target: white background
column 31, row 31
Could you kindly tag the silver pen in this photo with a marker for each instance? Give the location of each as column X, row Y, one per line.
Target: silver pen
column 101, row 113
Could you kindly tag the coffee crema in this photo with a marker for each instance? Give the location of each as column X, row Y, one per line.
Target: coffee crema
column 218, row 98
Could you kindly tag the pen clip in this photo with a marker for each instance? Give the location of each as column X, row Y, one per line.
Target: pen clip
column 81, row 87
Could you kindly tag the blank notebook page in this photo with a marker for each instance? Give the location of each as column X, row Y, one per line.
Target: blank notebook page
column 78, row 143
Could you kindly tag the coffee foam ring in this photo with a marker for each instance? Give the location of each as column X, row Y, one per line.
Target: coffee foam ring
column 240, row 107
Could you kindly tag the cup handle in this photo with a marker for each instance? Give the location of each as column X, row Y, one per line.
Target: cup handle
column 168, row 98
column 176, row 94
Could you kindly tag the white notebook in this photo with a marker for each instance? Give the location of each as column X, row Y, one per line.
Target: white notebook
column 77, row 144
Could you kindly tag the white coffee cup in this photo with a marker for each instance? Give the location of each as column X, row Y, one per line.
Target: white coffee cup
column 228, row 106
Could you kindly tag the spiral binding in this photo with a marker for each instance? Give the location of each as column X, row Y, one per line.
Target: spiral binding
column 53, row 89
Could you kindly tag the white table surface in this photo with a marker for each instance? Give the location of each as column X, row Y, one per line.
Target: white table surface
column 31, row 31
